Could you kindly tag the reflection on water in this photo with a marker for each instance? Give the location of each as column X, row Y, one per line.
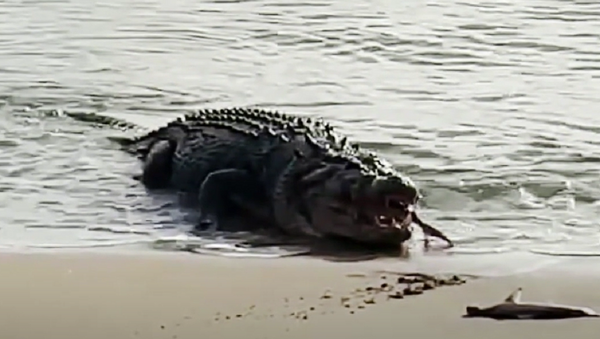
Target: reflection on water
column 489, row 106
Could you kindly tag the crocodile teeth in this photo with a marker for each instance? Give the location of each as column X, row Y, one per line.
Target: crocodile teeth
column 385, row 221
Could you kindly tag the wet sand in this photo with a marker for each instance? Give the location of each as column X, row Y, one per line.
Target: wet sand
column 189, row 296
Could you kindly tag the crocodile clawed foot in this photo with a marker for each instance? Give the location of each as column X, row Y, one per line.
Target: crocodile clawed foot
column 207, row 223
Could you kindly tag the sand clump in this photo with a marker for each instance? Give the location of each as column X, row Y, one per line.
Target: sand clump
column 391, row 286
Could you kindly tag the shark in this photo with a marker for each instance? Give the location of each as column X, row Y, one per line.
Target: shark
column 513, row 308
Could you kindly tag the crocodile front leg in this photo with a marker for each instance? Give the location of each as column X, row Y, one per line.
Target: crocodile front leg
column 223, row 188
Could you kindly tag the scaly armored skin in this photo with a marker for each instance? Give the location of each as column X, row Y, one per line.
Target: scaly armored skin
column 293, row 173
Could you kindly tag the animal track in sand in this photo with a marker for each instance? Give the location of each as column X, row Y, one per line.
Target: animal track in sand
column 404, row 285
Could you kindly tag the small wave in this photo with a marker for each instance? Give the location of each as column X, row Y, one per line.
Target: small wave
column 480, row 250
column 223, row 247
column 559, row 253
column 244, row 254
column 119, row 230
column 115, row 243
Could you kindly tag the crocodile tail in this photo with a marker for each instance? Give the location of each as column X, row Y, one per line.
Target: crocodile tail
column 122, row 141
column 101, row 119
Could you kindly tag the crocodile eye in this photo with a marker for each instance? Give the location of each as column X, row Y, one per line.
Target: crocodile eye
column 352, row 166
column 395, row 204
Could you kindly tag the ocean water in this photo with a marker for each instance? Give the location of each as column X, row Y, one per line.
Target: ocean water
column 489, row 106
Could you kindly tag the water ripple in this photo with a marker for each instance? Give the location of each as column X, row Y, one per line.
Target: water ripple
column 487, row 105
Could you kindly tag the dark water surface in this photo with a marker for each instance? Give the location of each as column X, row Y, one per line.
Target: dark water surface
column 490, row 106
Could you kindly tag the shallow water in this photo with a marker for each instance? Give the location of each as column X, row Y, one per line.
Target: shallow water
column 488, row 106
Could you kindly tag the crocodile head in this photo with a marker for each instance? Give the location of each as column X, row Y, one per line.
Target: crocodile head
column 371, row 210
column 347, row 199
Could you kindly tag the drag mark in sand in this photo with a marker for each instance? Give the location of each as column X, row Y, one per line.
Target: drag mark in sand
column 392, row 286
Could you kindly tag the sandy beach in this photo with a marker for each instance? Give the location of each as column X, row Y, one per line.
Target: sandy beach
column 189, row 296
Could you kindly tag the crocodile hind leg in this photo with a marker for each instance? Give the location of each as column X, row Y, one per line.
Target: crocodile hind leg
column 223, row 189
column 158, row 164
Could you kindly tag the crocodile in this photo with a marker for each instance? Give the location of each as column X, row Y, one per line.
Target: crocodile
column 295, row 174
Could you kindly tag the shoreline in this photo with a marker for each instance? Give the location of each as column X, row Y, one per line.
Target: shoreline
column 480, row 264
column 58, row 295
